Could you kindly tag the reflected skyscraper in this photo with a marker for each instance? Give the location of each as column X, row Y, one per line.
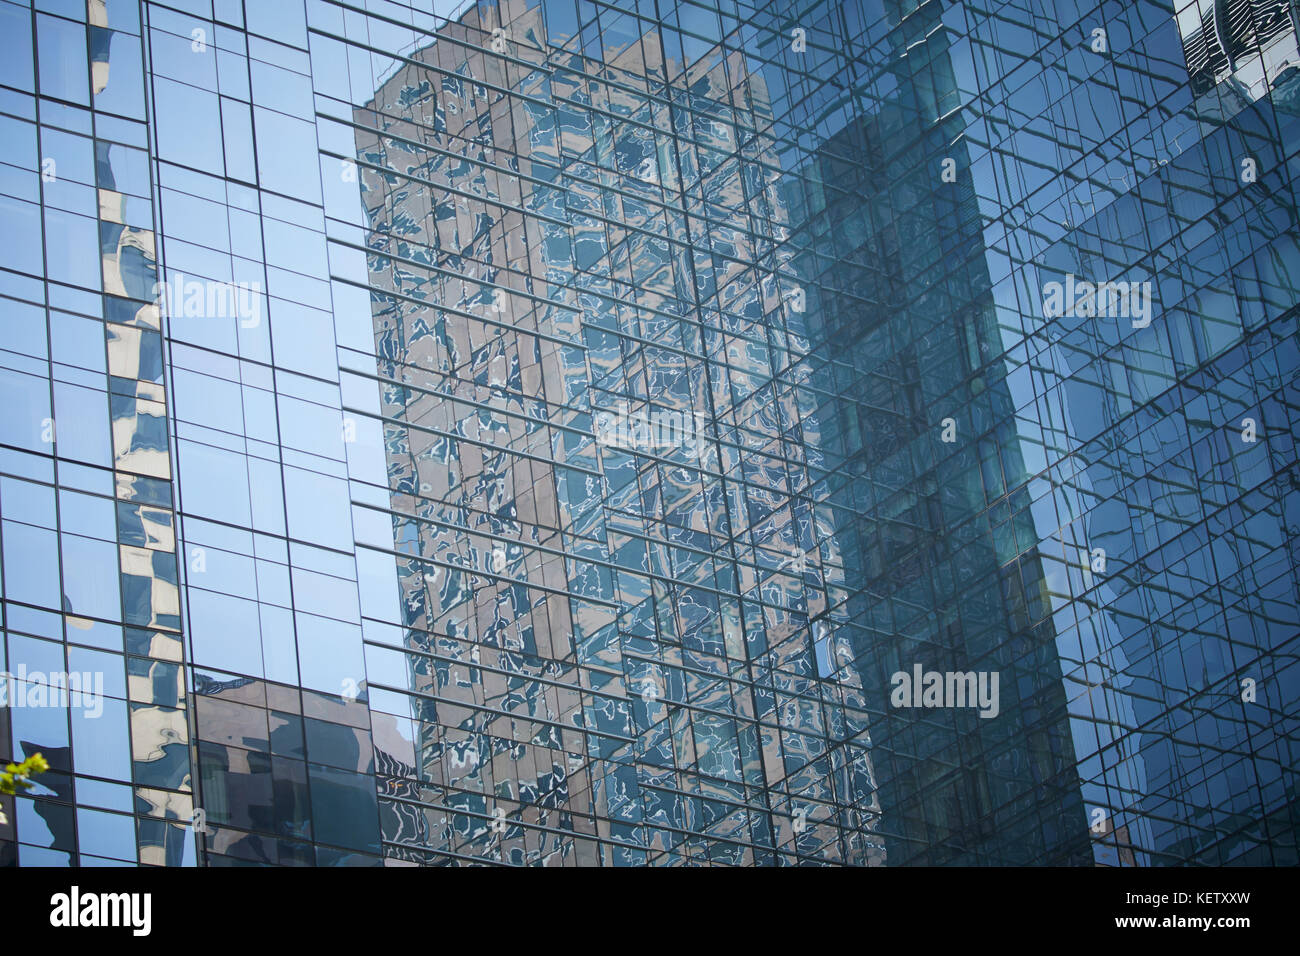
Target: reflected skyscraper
column 622, row 650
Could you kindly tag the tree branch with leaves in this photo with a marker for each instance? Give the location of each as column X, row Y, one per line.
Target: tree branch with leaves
column 15, row 777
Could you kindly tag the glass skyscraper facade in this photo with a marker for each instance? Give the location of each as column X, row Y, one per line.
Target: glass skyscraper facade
column 559, row 432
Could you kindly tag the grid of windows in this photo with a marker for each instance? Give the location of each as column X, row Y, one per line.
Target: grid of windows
column 91, row 590
column 624, row 649
column 543, row 431
column 1110, row 527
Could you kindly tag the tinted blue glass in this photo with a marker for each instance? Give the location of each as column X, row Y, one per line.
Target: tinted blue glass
column 652, row 433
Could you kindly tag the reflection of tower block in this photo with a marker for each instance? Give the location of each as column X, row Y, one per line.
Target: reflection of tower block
column 1125, row 846
column 1104, row 831
column 795, row 298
